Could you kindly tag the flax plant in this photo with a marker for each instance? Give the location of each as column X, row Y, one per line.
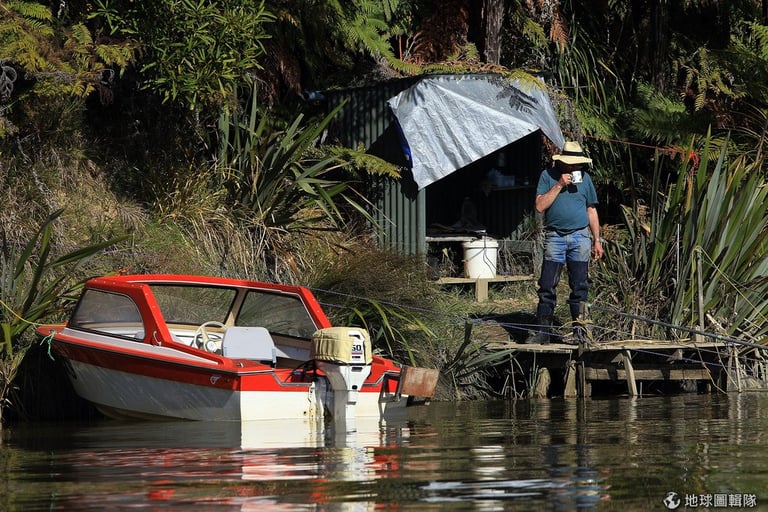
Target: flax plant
column 699, row 256
column 34, row 286
column 281, row 182
column 472, row 369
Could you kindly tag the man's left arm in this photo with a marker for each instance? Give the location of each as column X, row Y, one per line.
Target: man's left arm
column 594, row 228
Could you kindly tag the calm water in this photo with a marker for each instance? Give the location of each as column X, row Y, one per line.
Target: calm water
column 612, row 454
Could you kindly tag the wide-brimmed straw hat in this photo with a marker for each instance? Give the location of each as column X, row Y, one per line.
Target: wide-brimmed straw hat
column 572, row 154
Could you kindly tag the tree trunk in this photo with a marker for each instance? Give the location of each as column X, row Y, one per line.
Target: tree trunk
column 765, row 12
column 493, row 19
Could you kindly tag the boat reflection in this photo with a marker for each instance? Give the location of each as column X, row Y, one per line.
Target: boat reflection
column 203, row 435
column 235, row 466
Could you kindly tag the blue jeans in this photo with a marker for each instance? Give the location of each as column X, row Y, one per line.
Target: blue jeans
column 572, row 250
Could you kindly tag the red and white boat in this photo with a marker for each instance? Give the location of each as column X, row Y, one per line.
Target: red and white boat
column 204, row 348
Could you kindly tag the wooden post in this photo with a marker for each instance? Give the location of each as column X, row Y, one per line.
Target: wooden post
column 570, row 380
column 734, row 370
column 481, row 290
column 584, row 387
column 737, row 367
column 630, row 371
column 543, row 380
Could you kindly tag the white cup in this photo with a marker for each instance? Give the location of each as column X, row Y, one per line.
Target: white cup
column 577, row 176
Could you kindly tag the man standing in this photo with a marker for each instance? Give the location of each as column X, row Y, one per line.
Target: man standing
column 566, row 196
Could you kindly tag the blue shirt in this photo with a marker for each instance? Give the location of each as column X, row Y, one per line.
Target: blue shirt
column 569, row 210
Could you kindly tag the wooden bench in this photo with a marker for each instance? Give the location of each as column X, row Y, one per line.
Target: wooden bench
column 481, row 285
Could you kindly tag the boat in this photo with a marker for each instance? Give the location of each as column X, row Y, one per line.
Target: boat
column 159, row 346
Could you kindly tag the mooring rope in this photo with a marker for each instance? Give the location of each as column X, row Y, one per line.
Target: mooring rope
column 13, row 313
column 689, row 330
column 48, row 340
column 462, row 320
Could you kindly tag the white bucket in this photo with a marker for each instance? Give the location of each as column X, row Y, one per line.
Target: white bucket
column 480, row 258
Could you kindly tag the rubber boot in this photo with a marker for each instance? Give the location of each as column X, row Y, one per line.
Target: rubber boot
column 547, row 292
column 545, row 311
column 543, row 332
column 577, row 301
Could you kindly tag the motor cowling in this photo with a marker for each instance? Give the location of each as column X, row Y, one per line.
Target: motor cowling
column 342, row 346
column 344, row 355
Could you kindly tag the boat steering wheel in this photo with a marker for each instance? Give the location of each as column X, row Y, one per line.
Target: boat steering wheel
column 202, row 338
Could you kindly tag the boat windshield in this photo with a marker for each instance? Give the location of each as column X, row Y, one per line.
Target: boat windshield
column 107, row 312
column 193, row 305
column 280, row 313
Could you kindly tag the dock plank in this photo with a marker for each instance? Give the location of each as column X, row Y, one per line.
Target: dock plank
column 613, row 374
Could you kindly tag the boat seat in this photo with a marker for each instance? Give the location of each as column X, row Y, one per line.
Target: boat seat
column 253, row 343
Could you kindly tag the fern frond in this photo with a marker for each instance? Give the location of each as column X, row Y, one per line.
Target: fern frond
column 360, row 161
column 80, row 34
column 115, row 55
column 63, row 60
column 32, row 10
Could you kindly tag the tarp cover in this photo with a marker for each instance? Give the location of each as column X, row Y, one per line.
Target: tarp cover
column 450, row 121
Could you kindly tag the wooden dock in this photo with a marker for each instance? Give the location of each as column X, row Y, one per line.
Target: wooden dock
column 633, row 367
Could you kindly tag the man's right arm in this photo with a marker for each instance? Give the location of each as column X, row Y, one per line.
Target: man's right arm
column 545, row 200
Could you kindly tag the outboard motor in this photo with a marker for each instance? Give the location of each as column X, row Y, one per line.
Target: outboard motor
column 344, row 355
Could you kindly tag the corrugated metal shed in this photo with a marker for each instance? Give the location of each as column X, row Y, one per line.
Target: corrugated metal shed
column 367, row 120
column 405, row 213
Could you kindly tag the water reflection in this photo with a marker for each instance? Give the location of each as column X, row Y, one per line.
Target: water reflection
column 623, row 454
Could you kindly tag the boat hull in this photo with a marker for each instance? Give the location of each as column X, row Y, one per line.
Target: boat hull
column 196, row 390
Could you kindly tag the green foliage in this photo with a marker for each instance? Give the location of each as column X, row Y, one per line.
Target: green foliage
column 362, row 25
column 659, row 118
column 63, row 60
column 60, row 61
column 23, row 28
column 195, row 51
column 746, row 59
column 363, row 163
column 707, row 79
column 34, row 285
column 337, row 37
column 725, row 239
column 586, row 77
column 270, row 189
column 470, row 366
